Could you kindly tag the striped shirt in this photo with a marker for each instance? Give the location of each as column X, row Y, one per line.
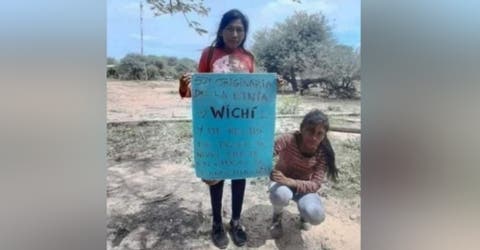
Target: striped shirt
column 308, row 172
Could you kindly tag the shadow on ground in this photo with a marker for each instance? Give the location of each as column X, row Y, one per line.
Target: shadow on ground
column 258, row 218
column 158, row 226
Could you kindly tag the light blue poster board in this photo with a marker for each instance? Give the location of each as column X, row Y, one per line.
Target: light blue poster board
column 233, row 124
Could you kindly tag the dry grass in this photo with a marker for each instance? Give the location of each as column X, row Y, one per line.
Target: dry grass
column 172, row 143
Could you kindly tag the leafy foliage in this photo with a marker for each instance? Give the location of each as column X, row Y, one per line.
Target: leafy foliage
column 185, row 7
column 132, row 67
column 162, row 7
column 303, row 48
column 334, row 68
column 138, row 67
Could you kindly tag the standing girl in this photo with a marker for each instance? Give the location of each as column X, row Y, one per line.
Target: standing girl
column 227, row 54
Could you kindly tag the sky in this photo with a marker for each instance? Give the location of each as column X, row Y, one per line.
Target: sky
column 169, row 35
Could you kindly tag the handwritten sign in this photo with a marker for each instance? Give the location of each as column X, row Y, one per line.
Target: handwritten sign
column 233, row 124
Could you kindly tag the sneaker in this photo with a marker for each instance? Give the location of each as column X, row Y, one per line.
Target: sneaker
column 239, row 236
column 304, row 225
column 276, row 229
column 219, row 237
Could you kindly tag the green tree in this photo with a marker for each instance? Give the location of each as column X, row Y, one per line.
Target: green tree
column 303, row 48
column 334, row 68
column 286, row 48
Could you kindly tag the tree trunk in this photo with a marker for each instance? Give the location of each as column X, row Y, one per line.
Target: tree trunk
column 294, row 80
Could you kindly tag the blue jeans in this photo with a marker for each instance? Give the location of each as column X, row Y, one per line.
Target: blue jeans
column 309, row 204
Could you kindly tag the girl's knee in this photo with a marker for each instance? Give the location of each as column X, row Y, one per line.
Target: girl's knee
column 280, row 196
column 315, row 215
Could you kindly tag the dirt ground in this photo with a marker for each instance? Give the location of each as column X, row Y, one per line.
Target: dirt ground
column 154, row 200
column 133, row 101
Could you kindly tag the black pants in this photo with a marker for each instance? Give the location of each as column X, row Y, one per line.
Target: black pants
column 216, row 192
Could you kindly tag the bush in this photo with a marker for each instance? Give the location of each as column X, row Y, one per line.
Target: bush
column 156, row 61
column 138, row 67
column 152, row 72
column 112, row 72
column 132, row 67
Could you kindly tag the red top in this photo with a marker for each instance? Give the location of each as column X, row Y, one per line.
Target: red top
column 308, row 172
column 237, row 61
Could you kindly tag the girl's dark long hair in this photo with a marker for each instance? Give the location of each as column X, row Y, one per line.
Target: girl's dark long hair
column 316, row 117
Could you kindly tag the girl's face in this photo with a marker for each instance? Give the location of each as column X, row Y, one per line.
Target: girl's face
column 233, row 34
column 312, row 136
